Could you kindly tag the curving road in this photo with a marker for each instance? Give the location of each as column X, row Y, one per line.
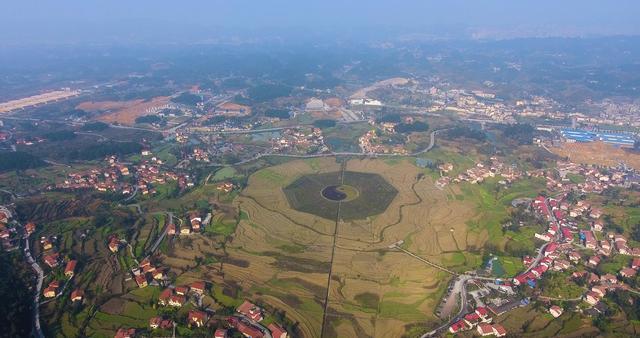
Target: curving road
column 155, row 245
column 432, row 143
column 36, row 300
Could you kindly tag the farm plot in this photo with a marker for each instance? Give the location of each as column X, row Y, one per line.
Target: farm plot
column 285, row 257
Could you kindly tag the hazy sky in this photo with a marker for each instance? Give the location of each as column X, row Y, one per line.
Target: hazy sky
column 108, row 21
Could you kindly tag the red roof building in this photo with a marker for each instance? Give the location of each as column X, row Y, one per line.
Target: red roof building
column 164, row 297
column 77, row 295
column 197, row 318
column 250, row 310
column 114, row 244
column 30, row 228
column 70, row 268
column 627, row 272
column 141, row 280
column 220, row 333
column 499, row 330
column 249, row 330
column 52, row 260
column 550, row 248
column 182, row 290
column 472, row 319
column 125, row 333
column 277, row 331
column 485, row 329
column 198, row 287
column 177, row 300
column 458, row 326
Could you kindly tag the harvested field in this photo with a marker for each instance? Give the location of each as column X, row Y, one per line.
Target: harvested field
column 373, row 291
column 599, row 153
column 124, row 112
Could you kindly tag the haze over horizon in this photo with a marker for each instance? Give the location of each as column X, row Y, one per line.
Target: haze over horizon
column 108, row 22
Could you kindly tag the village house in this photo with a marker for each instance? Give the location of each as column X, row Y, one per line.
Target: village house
column 250, row 310
column 560, row 265
column 220, row 333
column 601, row 290
column 627, row 272
column 70, row 268
column 30, row 228
column 195, row 220
column 158, row 274
column 593, row 278
column 125, row 333
column 177, row 300
column 635, row 263
column 225, row 187
column 592, row 298
column 77, row 295
column 197, row 318
column 277, row 331
column 499, row 330
column 594, row 261
column 159, row 322
column 171, row 229
column 52, row 260
column 574, row 256
column 163, row 298
column 198, row 287
column 114, row 244
column 141, row 281
column 50, row 291
column 595, row 213
column 555, row 311
column 46, row 244
column 458, row 326
column 485, row 329
column 609, row 278
column 182, row 290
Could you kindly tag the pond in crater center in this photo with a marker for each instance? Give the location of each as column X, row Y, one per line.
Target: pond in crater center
column 339, row 193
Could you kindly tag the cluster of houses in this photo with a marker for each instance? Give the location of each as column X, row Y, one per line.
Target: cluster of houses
column 300, row 140
column 150, row 172
column 563, row 251
column 596, row 179
column 53, row 260
column 225, row 187
column 177, row 297
column 200, row 155
column 481, row 320
column 247, row 322
column 196, row 224
column 109, row 178
column 112, row 177
column 370, row 143
column 8, row 232
column 146, row 272
column 602, row 284
column 479, row 173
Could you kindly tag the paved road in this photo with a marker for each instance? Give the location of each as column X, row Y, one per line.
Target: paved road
column 155, row 245
column 36, row 300
column 432, row 142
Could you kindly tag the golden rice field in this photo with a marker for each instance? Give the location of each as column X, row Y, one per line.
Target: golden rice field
column 282, row 256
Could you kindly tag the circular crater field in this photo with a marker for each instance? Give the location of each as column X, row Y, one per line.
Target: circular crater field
column 357, row 195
